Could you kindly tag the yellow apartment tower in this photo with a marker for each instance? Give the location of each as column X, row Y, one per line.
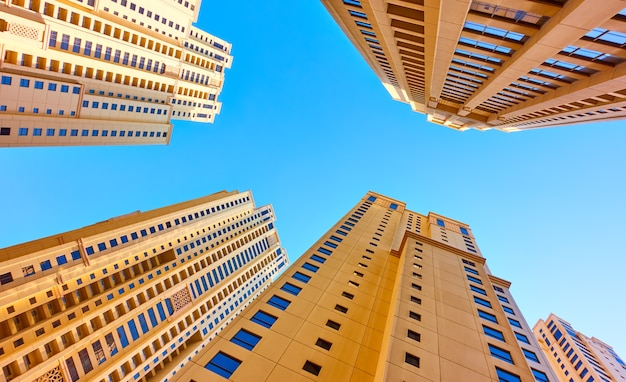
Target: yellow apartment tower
column 387, row 294
column 493, row 64
column 133, row 298
column 105, row 72
column 576, row 357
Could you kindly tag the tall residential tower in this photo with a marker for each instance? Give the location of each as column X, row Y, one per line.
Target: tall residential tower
column 492, row 64
column 133, row 298
column 387, row 294
column 106, row 72
column 576, row 357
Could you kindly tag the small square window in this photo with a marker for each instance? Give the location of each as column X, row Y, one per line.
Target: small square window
column 413, row 335
column 24, row 83
column 65, row 89
column 38, row 84
column 411, row 359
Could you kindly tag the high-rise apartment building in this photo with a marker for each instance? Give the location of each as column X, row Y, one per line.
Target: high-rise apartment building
column 507, row 65
column 133, row 298
column 576, row 357
column 387, row 294
column 106, row 72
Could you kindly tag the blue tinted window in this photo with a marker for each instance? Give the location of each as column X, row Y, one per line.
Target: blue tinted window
column 75, row 255
column 263, row 319
column 332, row 245
column 143, row 323
column 246, row 339
column 101, row 246
column 440, row 223
column 89, row 250
column 474, row 279
column 301, row 277
column 393, row 206
column 223, row 365
column 24, row 83
column 337, row 239
column 318, row 259
column 133, row 329
column 493, row 333
column 310, row 267
column 292, row 289
column 515, row 323
column 6, row 80
column 505, row 376
column 522, row 338
column 478, row 290
column 482, row 302
column 501, row 354
column 508, row 310
column 38, row 84
column 464, row 231
column 324, row 251
column 152, row 316
column 45, row 265
column 503, row 299
column 61, row 260
column 65, row 89
column 161, row 312
column 542, row 377
column 530, row 355
column 470, row 270
column 487, row 316
column 122, row 334
column 278, row 302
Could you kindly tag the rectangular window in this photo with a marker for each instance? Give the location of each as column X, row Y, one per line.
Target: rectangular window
column 332, row 324
column 312, row 368
column 508, row 310
column 264, row 319
column 24, row 83
column 464, row 231
column 23, row 131
column 45, row 265
column 530, row 355
column 482, row 302
column 246, row 339
column 121, row 333
column 500, row 354
column 320, row 260
column 291, row 289
column 53, row 39
column 505, row 376
column 440, row 223
column 415, row 316
column 87, row 50
column 278, row 302
column 540, row 376
column 487, row 316
column 5, row 131
column 223, row 364
column 478, row 290
column 474, row 279
column 522, row 338
column 76, row 47
column 98, row 52
column 470, row 270
column 493, row 333
column 411, row 359
column 6, row 80
column 301, row 277
column 515, row 323
column 503, row 299
column 310, row 267
column 85, row 360
column 413, row 335
column 65, row 42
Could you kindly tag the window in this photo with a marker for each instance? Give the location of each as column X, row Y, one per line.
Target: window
column 522, row 338
column 505, row 376
column 310, row 267
column 320, row 260
column 500, row 354
column 470, row 270
column 530, row 355
column 24, row 83
column 246, row 339
column 332, row 324
column 6, row 278
column 474, row 279
column 415, row 316
column 541, row 376
column 482, row 302
column 371, row 199
column 312, row 368
column 515, row 323
column 61, row 260
column 416, row 300
column 223, row 364
column 508, row 310
column 411, row 359
column 478, row 290
column 323, row 344
column 45, row 265
column 440, row 223
column 301, row 277
column 487, row 316
column 341, row 308
column 413, row 335
column 264, row 319
column 65, row 89
column 464, row 231
column 5, row 131
column 278, row 302
column 493, row 333
column 415, row 286
column 503, row 299
column 292, row 289
column 6, row 80
column 38, row 84
column 23, row 131
column 347, row 295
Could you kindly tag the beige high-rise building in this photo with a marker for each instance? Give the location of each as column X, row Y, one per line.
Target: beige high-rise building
column 493, row 64
column 133, row 298
column 105, row 72
column 576, row 357
column 387, row 294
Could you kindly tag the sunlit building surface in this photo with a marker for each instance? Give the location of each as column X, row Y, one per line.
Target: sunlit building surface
column 576, row 357
column 387, row 294
column 507, row 65
column 133, row 298
column 106, row 72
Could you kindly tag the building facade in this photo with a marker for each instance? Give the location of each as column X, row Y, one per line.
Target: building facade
column 133, row 298
column 489, row 64
column 387, row 294
column 106, row 72
column 576, row 357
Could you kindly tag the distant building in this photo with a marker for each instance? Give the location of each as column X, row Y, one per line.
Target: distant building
column 107, row 72
column 576, row 357
column 387, row 294
column 505, row 65
column 133, row 298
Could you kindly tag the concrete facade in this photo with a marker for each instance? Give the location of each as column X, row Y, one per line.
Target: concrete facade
column 133, row 298
column 507, row 65
column 387, row 294
column 106, row 72
column 576, row 357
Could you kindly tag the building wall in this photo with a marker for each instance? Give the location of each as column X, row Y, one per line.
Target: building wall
column 366, row 303
column 134, row 297
column 511, row 65
column 113, row 71
column 576, row 357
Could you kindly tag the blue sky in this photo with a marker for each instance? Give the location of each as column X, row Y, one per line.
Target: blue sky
column 307, row 126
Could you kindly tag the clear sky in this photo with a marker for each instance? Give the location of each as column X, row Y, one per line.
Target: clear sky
column 308, row 127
